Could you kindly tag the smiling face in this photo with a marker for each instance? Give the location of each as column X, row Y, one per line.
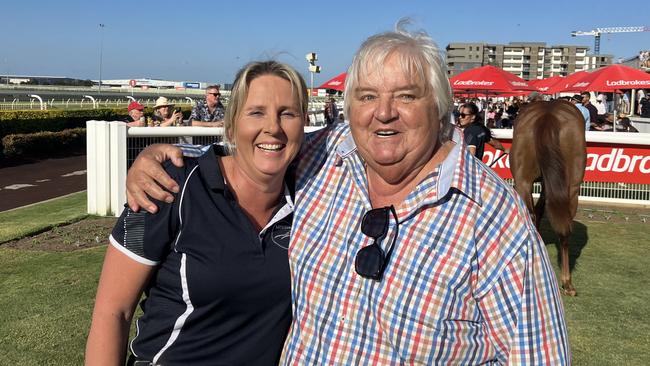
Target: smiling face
column 394, row 120
column 269, row 128
column 164, row 111
column 136, row 114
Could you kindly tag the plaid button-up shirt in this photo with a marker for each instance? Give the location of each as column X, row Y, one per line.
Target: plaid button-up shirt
column 469, row 280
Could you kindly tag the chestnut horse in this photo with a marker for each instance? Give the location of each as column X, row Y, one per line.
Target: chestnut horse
column 549, row 142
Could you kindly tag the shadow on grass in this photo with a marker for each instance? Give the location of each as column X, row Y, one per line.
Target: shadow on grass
column 577, row 241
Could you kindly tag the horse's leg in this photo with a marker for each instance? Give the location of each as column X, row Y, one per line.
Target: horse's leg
column 565, row 277
column 525, row 190
column 539, row 208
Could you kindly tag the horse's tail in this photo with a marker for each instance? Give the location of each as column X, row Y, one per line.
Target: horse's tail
column 554, row 173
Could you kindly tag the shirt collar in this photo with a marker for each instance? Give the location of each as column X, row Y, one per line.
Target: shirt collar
column 211, row 169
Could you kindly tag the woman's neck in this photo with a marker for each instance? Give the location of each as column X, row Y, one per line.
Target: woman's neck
column 258, row 199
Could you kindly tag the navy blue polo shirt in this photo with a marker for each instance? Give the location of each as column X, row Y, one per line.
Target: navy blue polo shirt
column 477, row 135
column 221, row 292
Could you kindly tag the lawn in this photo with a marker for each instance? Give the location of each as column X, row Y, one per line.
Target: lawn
column 38, row 218
column 47, row 297
column 608, row 320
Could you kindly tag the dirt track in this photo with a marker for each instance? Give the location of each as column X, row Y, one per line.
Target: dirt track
column 41, row 180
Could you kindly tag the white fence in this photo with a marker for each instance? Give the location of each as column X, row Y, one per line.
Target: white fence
column 112, row 147
column 76, row 103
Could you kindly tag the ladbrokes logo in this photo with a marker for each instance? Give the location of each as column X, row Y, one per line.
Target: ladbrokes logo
column 473, row 82
column 518, row 83
column 606, row 165
column 628, row 83
column 617, row 161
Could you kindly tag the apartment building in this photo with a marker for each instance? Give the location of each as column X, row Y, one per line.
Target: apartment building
column 528, row 60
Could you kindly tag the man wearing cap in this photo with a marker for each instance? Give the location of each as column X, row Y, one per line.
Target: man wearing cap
column 136, row 115
column 576, row 100
column 208, row 113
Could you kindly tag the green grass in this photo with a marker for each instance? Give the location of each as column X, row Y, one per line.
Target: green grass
column 46, row 299
column 29, row 220
column 608, row 320
column 46, row 303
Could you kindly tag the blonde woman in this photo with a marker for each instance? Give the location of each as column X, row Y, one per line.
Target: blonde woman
column 213, row 265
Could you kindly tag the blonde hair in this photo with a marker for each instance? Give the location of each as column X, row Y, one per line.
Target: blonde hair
column 239, row 92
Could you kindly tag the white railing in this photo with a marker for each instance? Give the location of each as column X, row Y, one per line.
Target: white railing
column 69, row 103
column 111, row 148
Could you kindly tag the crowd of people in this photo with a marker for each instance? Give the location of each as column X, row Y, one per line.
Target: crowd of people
column 598, row 112
column 205, row 113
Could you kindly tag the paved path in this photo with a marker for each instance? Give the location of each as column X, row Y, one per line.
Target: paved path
column 30, row 183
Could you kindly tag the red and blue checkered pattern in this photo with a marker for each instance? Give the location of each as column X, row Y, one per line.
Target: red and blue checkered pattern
column 469, row 281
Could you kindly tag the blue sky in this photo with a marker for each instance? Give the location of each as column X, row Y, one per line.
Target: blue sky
column 209, row 40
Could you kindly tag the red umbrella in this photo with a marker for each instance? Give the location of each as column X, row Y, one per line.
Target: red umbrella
column 489, row 79
column 543, row 85
column 565, row 84
column 612, row 77
column 337, row 83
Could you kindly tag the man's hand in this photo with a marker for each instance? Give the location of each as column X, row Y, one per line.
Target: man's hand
column 147, row 177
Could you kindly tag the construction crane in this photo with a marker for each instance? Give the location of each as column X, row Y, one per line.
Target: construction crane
column 598, row 31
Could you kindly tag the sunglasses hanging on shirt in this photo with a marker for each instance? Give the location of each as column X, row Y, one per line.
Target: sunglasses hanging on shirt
column 371, row 261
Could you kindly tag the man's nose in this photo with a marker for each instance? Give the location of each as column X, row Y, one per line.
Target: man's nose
column 386, row 110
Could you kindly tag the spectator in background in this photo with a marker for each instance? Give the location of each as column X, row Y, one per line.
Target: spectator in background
column 624, row 124
column 640, row 94
column 601, row 106
column 476, row 135
column 623, row 102
column 576, row 100
column 491, row 114
column 331, row 111
column 208, row 113
column 164, row 114
column 593, row 112
column 645, row 107
column 513, row 109
column 136, row 115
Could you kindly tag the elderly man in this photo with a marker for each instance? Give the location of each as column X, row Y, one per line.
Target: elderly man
column 136, row 115
column 405, row 249
column 208, row 113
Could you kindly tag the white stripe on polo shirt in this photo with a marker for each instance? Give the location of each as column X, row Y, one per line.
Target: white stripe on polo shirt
column 178, row 325
column 116, row 244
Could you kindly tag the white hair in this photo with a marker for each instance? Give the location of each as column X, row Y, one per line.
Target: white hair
column 418, row 55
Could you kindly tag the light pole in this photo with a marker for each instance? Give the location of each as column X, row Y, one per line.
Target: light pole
column 101, row 51
column 312, row 57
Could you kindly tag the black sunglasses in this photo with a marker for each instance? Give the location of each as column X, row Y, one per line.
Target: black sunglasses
column 371, row 261
column 463, row 115
column 215, row 94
